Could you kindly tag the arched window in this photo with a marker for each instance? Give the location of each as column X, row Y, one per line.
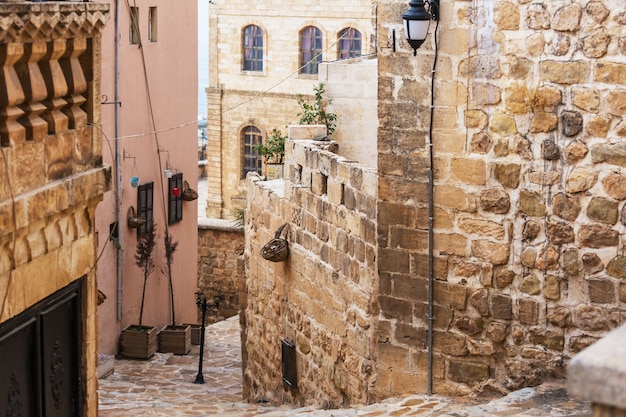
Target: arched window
column 252, row 47
column 349, row 43
column 310, row 50
column 252, row 160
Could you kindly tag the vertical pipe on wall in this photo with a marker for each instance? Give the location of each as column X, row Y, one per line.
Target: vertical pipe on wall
column 118, row 171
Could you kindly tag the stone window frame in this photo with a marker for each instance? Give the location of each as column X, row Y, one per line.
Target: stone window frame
column 349, row 43
column 251, row 159
column 252, row 54
column 311, row 47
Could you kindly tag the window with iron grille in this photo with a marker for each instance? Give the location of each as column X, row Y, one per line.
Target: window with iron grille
column 145, row 199
column 349, row 43
column 252, row 160
column 252, row 48
column 310, row 50
column 175, row 198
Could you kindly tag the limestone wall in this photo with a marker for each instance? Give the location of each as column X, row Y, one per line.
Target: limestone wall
column 529, row 158
column 220, row 266
column 323, row 298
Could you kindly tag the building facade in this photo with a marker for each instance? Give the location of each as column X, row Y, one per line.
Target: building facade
column 262, row 56
column 493, row 280
column 53, row 178
column 149, row 90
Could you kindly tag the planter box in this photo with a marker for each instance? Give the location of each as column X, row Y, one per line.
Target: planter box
column 195, row 333
column 175, row 339
column 138, row 342
column 274, row 171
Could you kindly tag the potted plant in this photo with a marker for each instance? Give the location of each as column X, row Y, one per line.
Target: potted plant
column 273, row 152
column 139, row 341
column 315, row 113
column 173, row 338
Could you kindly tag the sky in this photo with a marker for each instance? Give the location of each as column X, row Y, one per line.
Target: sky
column 203, row 55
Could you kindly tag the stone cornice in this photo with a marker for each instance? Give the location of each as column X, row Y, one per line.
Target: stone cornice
column 42, row 22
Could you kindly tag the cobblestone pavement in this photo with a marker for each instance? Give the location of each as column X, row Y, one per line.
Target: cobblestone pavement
column 163, row 386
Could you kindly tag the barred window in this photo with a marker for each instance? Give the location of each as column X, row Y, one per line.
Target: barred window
column 252, row 160
column 252, row 48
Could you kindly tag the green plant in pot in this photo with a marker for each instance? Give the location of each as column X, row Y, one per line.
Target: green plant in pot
column 139, row 341
column 273, row 152
column 315, row 113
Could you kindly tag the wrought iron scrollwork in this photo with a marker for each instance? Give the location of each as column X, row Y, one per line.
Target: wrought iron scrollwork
column 56, row 378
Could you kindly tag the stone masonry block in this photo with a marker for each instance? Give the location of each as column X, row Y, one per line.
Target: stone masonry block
column 297, row 132
column 468, row 372
column 451, row 295
column 335, row 191
column 319, row 183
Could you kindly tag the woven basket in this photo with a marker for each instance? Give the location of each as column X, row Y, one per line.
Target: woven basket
column 133, row 219
column 189, row 194
column 277, row 249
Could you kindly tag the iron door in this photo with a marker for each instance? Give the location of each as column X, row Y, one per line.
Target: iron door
column 18, row 385
column 59, row 358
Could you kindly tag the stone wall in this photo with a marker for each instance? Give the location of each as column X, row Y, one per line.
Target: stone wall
column 529, row 192
column 220, row 266
column 51, row 172
column 323, row 298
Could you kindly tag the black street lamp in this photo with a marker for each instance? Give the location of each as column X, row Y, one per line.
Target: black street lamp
column 202, row 303
column 417, row 19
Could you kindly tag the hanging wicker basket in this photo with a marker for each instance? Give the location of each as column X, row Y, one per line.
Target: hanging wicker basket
column 277, row 249
column 134, row 221
column 189, row 194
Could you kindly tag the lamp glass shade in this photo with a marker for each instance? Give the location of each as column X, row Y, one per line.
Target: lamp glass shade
column 416, row 30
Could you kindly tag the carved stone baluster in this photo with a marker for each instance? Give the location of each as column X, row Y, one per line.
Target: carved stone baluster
column 11, row 95
column 34, row 90
column 56, row 86
column 76, row 82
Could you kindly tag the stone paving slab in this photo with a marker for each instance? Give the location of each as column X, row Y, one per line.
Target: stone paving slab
column 163, row 386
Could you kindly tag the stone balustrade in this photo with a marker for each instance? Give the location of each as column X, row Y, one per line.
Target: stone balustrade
column 45, row 87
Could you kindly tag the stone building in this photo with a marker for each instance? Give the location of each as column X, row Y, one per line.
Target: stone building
column 51, row 180
column 263, row 54
column 517, row 259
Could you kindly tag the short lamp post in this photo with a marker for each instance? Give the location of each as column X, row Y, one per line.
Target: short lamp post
column 417, row 19
column 201, row 302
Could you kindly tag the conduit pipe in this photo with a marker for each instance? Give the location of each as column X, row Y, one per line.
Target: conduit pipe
column 431, row 219
column 118, row 170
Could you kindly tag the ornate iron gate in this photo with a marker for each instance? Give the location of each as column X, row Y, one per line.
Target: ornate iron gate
column 40, row 358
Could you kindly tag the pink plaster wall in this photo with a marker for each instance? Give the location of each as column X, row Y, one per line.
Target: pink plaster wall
column 171, row 64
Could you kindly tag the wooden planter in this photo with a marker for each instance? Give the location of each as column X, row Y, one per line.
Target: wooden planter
column 138, row 342
column 195, row 332
column 175, row 339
